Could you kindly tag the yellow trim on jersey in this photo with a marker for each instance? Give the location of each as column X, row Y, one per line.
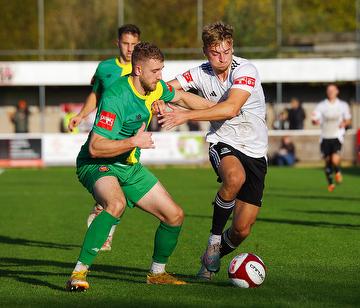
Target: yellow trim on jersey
column 148, row 100
column 132, row 160
column 126, row 68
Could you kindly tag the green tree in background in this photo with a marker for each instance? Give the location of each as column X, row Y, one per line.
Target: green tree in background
column 172, row 24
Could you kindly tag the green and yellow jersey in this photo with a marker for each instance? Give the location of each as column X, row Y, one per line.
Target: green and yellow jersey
column 122, row 110
column 107, row 72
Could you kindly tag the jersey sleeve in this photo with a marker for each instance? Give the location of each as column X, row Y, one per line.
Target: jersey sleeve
column 346, row 111
column 109, row 118
column 96, row 80
column 188, row 79
column 316, row 114
column 245, row 77
column 168, row 92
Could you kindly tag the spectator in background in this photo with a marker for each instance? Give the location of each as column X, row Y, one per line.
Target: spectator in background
column 296, row 114
column 286, row 154
column 20, row 117
column 281, row 121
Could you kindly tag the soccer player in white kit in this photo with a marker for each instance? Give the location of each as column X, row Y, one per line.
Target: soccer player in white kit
column 334, row 116
column 238, row 139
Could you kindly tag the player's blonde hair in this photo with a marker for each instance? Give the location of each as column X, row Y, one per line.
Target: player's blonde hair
column 215, row 33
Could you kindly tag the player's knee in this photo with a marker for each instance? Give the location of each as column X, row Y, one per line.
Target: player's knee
column 116, row 207
column 177, row 217
column 241, row 232
column 234, row 181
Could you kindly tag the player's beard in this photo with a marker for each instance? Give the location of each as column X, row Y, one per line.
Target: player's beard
column 148, row 87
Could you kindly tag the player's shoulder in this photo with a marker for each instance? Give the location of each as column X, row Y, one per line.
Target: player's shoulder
column 205, row 68
column 119, row 87
column 104, row 64
column 343, row 103
column 241, row 63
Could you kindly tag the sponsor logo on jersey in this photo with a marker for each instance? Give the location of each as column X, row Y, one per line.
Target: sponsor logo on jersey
column 170, row 88
column 103, row 169
column 138, row 117
column 213, row 93
column 246, row 80
column 187, row 76
column 106, row 120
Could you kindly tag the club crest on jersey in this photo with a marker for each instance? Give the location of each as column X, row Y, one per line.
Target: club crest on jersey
column 106, row 120
column 246, row 80
column 187, row 76
column 103, row 169
column 170, row 88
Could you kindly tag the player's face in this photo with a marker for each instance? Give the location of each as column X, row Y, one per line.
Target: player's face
column 332, row 92
column 151, row 74
column 220, row 56
column 126, row 45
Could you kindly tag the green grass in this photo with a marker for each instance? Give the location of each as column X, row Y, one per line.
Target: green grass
column 308, row 238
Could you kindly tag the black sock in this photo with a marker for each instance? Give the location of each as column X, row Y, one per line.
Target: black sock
column 337, row 169
column 226, row 245
column 222, row 212
column 328, row 172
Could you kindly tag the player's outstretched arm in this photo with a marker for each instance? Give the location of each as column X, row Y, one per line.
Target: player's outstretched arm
column 188, row 100
column 103, row 147
column 89, row 106
column 221, row 111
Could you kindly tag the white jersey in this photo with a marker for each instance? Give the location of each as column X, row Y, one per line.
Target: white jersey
column 247, row 132
column 330, row 116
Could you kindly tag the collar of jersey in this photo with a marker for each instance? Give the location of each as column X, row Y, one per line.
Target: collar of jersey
column 118, row 63
column 134, row 89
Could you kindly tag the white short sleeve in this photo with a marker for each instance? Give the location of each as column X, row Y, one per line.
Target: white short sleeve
column 187, row 79
column 245, row 77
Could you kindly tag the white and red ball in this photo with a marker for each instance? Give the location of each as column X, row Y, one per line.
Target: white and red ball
column 247, row 271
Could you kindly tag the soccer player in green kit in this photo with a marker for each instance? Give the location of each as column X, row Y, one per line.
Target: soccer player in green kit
column 108, row 164
column 107, row 72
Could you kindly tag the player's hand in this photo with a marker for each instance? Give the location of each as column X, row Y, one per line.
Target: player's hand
column 143, row 139
column 175, row 117
column 74, row 122
column 158, row 107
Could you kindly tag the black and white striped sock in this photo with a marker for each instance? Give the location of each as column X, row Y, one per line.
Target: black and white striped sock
column 222, row 212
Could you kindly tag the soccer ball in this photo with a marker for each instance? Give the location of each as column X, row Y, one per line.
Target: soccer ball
column 247, row 271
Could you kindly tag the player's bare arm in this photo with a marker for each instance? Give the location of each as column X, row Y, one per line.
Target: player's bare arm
column 345, row 123
column 221, row 111
column 89, row 106
column 100, row 146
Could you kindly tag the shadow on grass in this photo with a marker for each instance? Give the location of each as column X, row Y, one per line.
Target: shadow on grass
column 340, row 213
column 115, row 273
column 119, row 273
column 42, row 244
column 312, row 197
column 321, row 224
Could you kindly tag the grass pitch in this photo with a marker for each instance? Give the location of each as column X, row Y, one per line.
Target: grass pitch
column 308, row 238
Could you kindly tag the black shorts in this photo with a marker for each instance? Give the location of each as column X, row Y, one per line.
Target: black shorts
column 330, row 146
column 255, row 169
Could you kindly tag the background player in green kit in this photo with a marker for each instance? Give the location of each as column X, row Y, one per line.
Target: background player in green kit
column 107, row 72
column 108, row 164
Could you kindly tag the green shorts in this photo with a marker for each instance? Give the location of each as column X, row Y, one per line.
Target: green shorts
column 135, row 180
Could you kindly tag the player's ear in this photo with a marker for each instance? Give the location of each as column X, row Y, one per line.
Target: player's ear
column 117, row 42
column 137, row 69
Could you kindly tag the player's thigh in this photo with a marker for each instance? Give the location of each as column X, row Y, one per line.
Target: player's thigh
column 244, row 215
column 107, row 189
column 231, row 170
column 159, row 203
